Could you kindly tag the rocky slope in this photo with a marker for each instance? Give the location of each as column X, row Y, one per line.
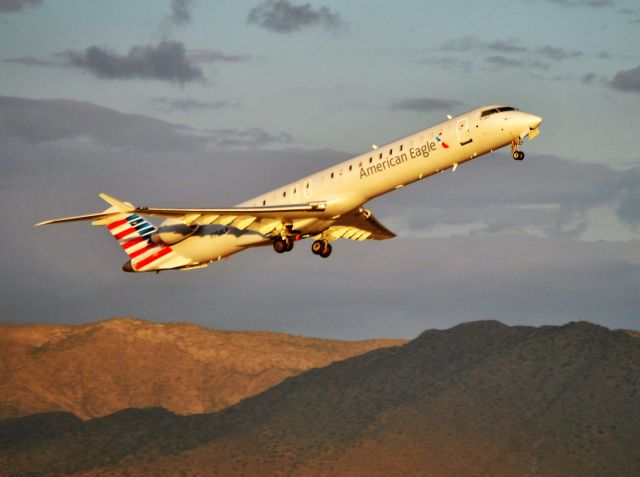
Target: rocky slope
column 100, row 368
column 476, row 400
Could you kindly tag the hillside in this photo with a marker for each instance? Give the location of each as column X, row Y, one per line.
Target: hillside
column 478, row 399
column 100, row 368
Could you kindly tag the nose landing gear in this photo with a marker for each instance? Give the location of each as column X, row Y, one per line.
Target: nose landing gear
column 516, row 153
column 321, row 248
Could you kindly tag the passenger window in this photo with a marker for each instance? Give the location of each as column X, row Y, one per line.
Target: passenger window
column 332, row 175
column 284, row 194
column 400, row 147
column 370, row 160
column 264, row 202
column 350, row 167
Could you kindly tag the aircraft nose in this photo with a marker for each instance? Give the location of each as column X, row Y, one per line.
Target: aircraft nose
column 534, row 121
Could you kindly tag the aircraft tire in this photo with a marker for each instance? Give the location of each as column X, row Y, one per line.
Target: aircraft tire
column 518, row 155
column 289, row 244
column 317, row 247
column 326, row 251
column 280, row 246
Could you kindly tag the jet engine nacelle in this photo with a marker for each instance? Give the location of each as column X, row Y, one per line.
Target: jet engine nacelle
column 172, row 232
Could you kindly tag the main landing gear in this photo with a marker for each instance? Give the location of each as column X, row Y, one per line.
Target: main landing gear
column 283, row 244
column 321, row 248
column 518, row 155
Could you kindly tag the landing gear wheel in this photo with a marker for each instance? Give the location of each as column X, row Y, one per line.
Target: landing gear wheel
column 289, row 243
column 326, row 251
column 280, row 245
column 317, row 247
column 518, row 155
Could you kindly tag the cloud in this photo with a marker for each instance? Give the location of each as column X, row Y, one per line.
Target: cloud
column 557, row 54
column 246, row 138
column 166, row 61
column 56, row 60
column 425, row 105
column 141, row 61
column 82, row 124
column 16, row 6
column 503, row 62
column 627, row 80
column 282, row 16
column 180, row 13
column 169, row 105
column 471, row 43
column 588, row 78
column 210, row 56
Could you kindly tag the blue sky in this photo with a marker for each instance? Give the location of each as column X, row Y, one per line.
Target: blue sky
column 271, row 90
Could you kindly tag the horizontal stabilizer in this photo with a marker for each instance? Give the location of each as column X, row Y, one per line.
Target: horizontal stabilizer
column 77, row 218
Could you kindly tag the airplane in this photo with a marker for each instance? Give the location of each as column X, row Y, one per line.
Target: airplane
column 325, row 206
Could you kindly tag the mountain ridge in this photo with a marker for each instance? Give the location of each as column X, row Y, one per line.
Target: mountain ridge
column 477, row 399
column 98, row 368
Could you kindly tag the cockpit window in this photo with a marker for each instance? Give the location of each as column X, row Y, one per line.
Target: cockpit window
column 488, row 112
column 502, row 109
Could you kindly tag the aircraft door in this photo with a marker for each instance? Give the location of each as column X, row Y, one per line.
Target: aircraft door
column 464, row 135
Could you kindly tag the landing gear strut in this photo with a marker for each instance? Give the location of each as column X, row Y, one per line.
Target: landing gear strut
column 322, row 248
column 283, row 244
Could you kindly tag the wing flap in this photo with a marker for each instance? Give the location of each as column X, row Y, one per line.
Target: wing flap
column 360, row 225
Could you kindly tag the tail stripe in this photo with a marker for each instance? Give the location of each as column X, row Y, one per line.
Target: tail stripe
column 133, row 233
column 131, row 243
column 117, row 223
column 124, row 233
column 142, row 250
column 152, row 258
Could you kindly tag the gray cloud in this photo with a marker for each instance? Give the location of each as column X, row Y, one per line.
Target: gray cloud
column 210, row 56
column 166, row 61
column 16, row 6
column 282, row 16
column 56, row 60
column 503, row 62
column 180, row 13
column 425, row 104
column 246, row 138
column 627, row 80
column 557, row 54
column 169, row 105
column 471, row 43
column 82, row 124
column 588, row 78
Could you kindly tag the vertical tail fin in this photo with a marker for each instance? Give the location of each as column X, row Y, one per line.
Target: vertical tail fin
column 133, row 233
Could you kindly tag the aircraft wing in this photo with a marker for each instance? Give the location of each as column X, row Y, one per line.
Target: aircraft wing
column 359, row 225
column 241, row 217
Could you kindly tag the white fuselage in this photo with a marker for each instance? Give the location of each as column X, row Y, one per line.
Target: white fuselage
column 350, row 184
